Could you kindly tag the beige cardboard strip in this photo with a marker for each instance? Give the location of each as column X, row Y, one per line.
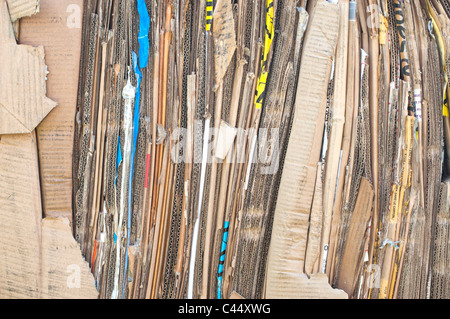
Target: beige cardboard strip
column 20, row 216
column 290, row 226
column 355, row 239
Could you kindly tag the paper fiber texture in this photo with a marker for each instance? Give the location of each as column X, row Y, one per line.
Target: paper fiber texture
column 290, row 226
column 23, row 101
column 40, row 258
column 58, row 28
column 22, row 8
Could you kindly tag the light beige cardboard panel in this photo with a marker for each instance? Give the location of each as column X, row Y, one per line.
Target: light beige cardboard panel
column 39, row 258
column 290, row 225
column 66, row 275
column 57, row 27
column 22, row 8
column 316, row 287
column 20, row 218
column 23, row 101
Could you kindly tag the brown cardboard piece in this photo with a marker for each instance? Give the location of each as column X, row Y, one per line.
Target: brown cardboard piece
column 354, row 245
column 40, row 258
column 23, row 101
column 290, row 225
column 22, row 8
column 58, row 28
column 224, row 37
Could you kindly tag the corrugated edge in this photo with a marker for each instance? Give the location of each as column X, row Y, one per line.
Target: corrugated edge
column 22, row 8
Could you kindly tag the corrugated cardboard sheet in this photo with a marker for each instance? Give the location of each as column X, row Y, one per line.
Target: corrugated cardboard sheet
column 39, row 258
column 23, row 101
column 58, row 28
column 290, row 226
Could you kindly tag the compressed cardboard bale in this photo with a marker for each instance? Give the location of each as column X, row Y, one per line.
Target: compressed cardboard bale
column 58, row 28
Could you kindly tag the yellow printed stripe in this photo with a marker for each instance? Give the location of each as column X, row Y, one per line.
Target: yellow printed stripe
column 440, row 41
column 261, row 86
column 209, row 13
column 261, row 90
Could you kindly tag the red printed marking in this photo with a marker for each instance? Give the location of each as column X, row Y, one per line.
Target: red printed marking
column 94, row 255
column 146, row 170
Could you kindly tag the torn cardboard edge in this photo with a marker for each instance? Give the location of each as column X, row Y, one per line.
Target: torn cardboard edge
column 22, row 8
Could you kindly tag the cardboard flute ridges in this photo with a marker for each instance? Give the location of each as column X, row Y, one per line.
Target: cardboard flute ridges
column 290, row 225
column 22, row 8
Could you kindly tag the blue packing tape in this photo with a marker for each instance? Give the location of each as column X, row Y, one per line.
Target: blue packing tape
column 144, row 29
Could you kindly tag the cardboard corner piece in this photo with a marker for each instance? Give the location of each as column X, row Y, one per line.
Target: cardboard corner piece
column 40, row 259
column 22, row 8
column 23, row 101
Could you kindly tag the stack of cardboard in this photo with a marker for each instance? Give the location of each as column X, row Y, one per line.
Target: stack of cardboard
column 225, row 149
